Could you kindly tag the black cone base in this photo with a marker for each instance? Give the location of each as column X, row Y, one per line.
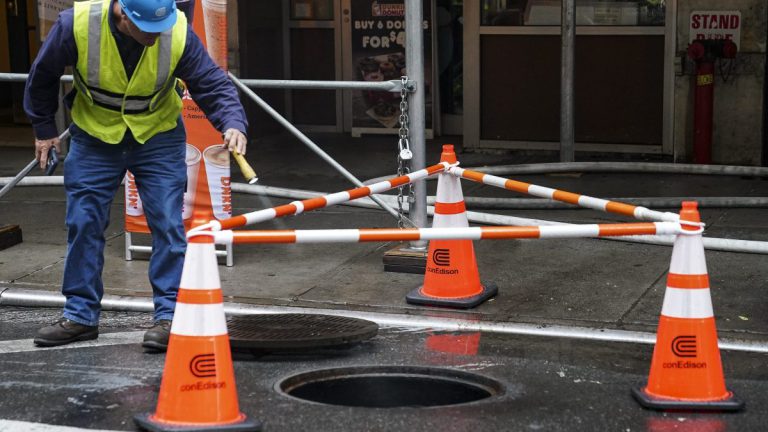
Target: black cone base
column 143, row 421
column 417, row 297
column 652, row 402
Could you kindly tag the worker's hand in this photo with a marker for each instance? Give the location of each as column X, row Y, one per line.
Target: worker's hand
column 235, row 140
column 42, row 147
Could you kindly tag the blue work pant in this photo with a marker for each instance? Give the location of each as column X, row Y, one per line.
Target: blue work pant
column 93, row 171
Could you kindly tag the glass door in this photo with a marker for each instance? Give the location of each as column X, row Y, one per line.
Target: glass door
column 17, row 39
column 314, row 53
column 449, row 24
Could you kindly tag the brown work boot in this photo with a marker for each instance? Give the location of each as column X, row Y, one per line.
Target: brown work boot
column 156, row 338
column 65, row 331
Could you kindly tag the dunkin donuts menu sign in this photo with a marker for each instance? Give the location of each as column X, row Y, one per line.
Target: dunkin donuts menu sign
column 209, row 192
column 378, row 54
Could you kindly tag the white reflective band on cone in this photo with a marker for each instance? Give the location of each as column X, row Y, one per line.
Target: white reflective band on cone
column 449, row 190
column 458, row 220
column 688, row 256
column 200, row 267
column 199, row 320
column 327, row 236
column 687, row 303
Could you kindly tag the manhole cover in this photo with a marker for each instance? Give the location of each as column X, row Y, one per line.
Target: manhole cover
column 390, row 386
column 297, row 332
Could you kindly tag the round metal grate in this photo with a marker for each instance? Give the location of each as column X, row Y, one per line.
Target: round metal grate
column 297, row 332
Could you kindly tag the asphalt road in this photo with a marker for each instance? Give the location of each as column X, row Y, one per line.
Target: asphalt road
column 536, row 383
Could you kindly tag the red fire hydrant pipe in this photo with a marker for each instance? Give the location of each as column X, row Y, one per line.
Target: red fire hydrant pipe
column 703, row 111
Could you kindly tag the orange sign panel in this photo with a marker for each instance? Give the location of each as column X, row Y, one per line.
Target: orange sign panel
column 209, row 192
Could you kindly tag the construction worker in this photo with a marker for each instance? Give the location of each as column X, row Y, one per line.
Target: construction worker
column 125, row 106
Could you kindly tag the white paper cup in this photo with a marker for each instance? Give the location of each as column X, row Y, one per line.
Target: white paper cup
column 193, row 167
column 215, row 19
column 216, row 160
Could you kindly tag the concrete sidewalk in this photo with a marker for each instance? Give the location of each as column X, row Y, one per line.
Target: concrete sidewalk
column 584, row 282
column 589, row 286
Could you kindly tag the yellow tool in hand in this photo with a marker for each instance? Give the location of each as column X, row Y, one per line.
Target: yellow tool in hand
column 245, row 168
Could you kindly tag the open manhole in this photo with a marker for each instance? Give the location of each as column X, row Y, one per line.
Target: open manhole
column 296, row 333
column 390, row 386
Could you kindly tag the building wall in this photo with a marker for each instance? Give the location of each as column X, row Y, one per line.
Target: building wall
column 737, row 137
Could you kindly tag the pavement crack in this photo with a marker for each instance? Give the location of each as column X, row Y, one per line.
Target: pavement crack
column 637, row 301
column 38, row 270
column 57, row 262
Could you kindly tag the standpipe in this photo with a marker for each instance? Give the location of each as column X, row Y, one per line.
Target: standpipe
column 637, row 212
column 470, row 233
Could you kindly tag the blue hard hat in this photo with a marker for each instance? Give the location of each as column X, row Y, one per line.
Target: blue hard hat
column 151, row 16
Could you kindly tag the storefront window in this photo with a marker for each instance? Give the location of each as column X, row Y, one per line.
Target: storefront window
column 312, row 9
column 588, row 12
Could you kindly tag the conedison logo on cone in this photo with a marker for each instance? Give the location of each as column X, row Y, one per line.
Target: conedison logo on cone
column 451, row 278
column 198, row 391
column 686, row 371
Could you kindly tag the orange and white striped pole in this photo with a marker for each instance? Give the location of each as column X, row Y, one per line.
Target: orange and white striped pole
column 198, row 391
column 585, row 201
column 686, row 371
column 298, row 207
column 364, row 235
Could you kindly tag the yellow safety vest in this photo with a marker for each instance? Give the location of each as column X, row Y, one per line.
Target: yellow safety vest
column 107, row 103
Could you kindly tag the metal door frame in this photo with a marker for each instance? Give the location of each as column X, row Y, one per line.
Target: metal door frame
column 472, row 33
column 335, row 24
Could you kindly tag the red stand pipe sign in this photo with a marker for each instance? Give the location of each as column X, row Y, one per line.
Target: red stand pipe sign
column 704, row 25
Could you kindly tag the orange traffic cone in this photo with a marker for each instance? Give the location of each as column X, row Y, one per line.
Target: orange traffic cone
column 451, row 278
column 686, row 372
column 198, row 390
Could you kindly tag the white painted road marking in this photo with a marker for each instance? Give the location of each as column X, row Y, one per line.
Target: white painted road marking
column 20, row 426
column 24, row 345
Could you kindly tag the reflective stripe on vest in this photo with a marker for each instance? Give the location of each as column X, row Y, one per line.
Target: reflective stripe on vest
column 94, row 43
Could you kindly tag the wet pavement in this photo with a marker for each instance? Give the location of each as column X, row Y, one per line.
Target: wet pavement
column 548, row 383
column 545, row 383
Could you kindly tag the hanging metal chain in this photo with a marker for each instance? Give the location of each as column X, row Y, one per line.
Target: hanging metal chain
column 404, row 155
